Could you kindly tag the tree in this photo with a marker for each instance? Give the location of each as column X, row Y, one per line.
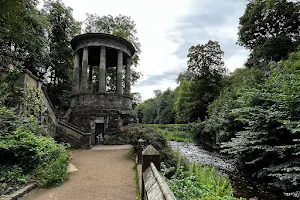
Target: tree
column 158, row 110
column 186, row 75
column 23, row 42
column 268, row 142
column 205, row 62
column 166, row 112
column 121, row 26
column 183, row 107
column 136, row 99
column 63, row 27
column 270, row 29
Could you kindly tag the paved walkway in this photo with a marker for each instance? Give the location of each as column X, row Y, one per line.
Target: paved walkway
column 103, row 173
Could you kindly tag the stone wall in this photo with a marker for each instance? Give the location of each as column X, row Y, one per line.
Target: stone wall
column 102, row 101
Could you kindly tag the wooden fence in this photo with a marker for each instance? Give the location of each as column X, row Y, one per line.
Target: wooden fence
column 152, row 184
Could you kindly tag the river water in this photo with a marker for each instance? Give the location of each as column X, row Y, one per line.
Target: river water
column 242, row 185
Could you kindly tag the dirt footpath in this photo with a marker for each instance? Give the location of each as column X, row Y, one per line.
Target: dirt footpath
column 103, row 173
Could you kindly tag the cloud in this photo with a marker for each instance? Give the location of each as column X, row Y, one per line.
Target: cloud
column 211, row 20
column 167, row 76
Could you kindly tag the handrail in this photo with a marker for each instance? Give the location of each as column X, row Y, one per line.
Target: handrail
column 74, row 128
column 162, row 184
column 153, row 185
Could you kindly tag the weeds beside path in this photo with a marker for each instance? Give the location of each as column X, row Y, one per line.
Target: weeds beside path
column 103, row 173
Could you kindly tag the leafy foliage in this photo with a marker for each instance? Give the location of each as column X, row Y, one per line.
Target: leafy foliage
column 158, row 110
column 135, row 132
column 23, row 41
column 63, row 27
column 176, row 132
column 268, row 18
column 198, row 182
column 269, row 141
column 27, row 152
column 269, row 28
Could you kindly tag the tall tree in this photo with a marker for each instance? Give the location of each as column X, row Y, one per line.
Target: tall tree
column 63, row 27
column 122, row 26
column 264, row 20
column 205, row 61
column 23, row 38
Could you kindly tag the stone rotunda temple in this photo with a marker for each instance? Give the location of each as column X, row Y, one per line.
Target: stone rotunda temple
column 98, row 106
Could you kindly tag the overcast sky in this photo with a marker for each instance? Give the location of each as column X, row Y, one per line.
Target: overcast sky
column 168, row 28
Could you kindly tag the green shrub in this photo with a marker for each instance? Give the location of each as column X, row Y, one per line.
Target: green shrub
column 11, row 177
column 53, row 172
column 35, row 153
column 151, row 136
column 199, row 182
column 269, row 144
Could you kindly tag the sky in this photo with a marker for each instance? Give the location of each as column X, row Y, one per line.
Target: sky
column 168, row 28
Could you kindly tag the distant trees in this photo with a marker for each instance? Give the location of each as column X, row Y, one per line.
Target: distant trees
column 198, row 86
column 158, row 110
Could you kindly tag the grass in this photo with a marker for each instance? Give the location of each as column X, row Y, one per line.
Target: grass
column 130, row 156
column 174, row 132
column 138, row 194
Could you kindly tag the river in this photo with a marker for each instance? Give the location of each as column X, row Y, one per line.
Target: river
column 243, row 186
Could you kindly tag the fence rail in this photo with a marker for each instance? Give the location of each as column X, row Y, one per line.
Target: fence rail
column 152, row 184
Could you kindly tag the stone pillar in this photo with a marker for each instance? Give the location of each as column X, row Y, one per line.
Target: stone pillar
column 128, row 76
column 90, row 78
column 102, row 70
column 119, row 72
column 85, row 61
column 75, row 89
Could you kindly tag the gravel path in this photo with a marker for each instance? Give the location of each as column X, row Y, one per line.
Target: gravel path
column 103, row 173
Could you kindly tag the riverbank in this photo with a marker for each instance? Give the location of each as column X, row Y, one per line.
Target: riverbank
column 186, row 180
column 243, row 186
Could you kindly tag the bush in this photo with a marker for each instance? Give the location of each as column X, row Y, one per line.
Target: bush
column 151, row 136
column 35, row 154
column 11, row 178
column 268, row 142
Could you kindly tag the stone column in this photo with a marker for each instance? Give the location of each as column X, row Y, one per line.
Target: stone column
column 75, row 89
column 102, row 70
column 90, row 78
column 128, row 76
column 85, row 60
column 119, row 72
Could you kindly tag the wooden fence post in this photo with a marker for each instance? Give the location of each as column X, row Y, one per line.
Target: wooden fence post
column 149, row 155
column 140, row 150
